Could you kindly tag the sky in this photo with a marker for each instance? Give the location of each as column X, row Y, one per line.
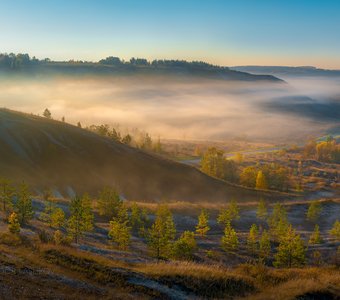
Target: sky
column 224, row 32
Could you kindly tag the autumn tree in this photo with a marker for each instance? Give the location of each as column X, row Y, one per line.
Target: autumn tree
column 7, row 192
column 202, row 226
column 24, row 204
column 252, row 239
column 264, row 246
column 212, row 162
column 162, row 233
column 81, row 218
column 291, row 250
column 229, row 240
column 57, row 218
column 262, row 211
column 184, row 247
column 231, row 213
column 314, row 211
column 13, row 223
column 248, row 176
column 315, row 237
column 278, row 222
column 109, row 202
column 335, row 231
column 119, row 232
column 261, row 182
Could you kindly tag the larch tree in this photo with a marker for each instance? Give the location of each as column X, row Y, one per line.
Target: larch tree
column 315, row 237
column 162, row 233
column 47, row 114
column 24, row 204
column 262, row 211
column 81, row 218
column 291, row 251
column 109, row 202
column 229, row 240
column 119, row 233
column 184, row 247
column 57, row 218
column 213, row 162
column 264, row 246
column 13, row 223
column 335, row 231
column 314, row 211
column 202, row 226
column 7, row 193
column 261, row 182
column 231, row 213
column 252, row 240
column 278, row 222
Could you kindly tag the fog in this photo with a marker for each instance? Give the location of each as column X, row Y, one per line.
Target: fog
column 199, row 109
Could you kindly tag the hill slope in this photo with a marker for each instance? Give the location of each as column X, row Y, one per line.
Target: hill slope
column 47, row 153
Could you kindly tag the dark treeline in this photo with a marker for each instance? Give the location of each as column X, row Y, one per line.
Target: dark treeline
column 16, row 61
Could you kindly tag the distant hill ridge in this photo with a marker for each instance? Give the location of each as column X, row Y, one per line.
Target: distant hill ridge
column 23, row 63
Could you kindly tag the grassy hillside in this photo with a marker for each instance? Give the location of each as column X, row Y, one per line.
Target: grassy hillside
column 51, row 154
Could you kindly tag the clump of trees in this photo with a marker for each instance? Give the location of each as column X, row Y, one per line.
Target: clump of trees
column 215, row 164
column 326, row 151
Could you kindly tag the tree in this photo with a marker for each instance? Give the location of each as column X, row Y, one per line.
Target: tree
column 248, row 176
column 162, row 233
column 109, row 202
column 230, row 213
column 335, row 231
column 261, row 182
column 185, row 246
column 24, row 204
column 13, row 223
column 262, row 212
column 63, row 119
column 264, row 246
column 81, row 218
column 314, row 211
column 315, row 238
column 79, row 125
column 135, row 217
column 203, row 227
column 120, row 233
column 278, row 222
column 291, row 250
column 252, row 240
column 229, row 240
column 49, row 207
column 7, row 192
column 58, row 237
column 212, row 162
column 47, row 114
column 57, row 218
column 127, row 139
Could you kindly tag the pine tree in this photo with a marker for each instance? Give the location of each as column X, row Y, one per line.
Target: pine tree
column 24, row 204
column 229, row 214
column 202, row 227
column 185, row 246
column 120, row 233
column 291, row 250
column 162, row 233
column 278, row 222
column 261, row 182
column 262, row 212
column 229, row 240
column 7, row 192
column 109, row 202
column 252, row 240
column 57, row 218
column 335, row 231
column 314, row 211
column 81, row 218
column 264, row 246
column 315, row 238
column 13, row 223
column 47, row 114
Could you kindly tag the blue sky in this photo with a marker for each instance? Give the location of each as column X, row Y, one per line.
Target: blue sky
column 227, row 32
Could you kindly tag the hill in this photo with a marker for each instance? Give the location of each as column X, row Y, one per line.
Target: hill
column 24, row 65
column 52, row 154
column 288, row 71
